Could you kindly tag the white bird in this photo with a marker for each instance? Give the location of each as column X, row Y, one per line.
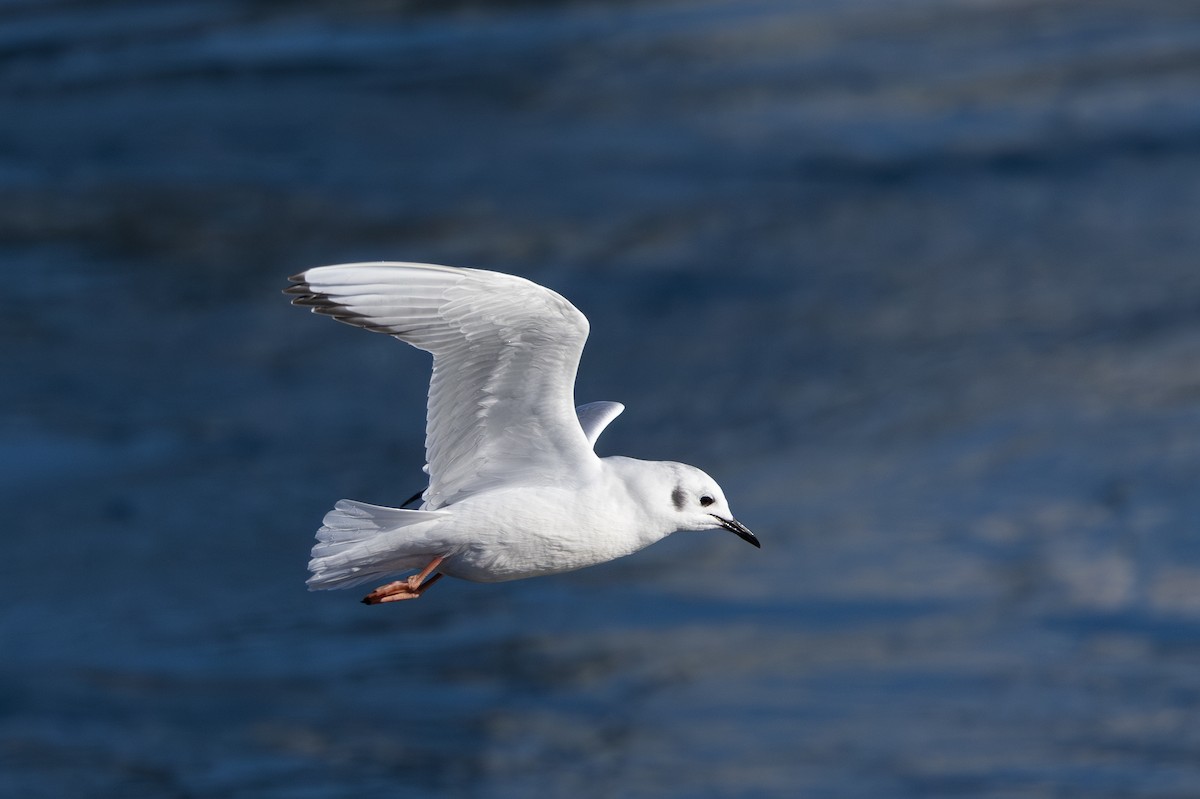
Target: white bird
column 515, row 489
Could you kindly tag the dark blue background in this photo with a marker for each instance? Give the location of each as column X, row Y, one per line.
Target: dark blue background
column 917, row 282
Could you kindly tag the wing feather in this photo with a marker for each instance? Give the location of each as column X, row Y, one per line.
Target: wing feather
column 505, row 354
column 595, row 416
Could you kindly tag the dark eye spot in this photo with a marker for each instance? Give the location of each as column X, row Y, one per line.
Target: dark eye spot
column 679, row 497
column 705, row 501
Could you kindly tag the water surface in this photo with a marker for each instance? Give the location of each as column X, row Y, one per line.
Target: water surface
column 916, row 282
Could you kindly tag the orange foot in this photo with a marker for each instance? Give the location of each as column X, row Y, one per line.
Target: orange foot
column 410, row 588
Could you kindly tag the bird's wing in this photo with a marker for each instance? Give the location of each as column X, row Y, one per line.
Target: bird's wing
column 505, row 354
column 595, row 416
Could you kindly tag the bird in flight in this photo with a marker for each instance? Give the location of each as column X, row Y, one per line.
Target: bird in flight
column 515, row 489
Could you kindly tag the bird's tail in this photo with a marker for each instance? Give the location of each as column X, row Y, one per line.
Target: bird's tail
column 358, row 542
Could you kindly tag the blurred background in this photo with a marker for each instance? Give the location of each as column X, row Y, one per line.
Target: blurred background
column 916, row 282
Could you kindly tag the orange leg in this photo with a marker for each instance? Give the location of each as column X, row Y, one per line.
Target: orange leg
column 409, row 588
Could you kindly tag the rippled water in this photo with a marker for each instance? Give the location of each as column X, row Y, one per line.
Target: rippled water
column 916, row 282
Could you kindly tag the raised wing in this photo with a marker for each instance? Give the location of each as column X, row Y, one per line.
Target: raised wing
column 505, row 354
column 595, row 416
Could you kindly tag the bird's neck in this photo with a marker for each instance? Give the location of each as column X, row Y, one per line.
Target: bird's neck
column 638, row 482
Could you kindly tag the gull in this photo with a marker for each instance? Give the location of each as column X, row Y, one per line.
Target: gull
column 515, row 488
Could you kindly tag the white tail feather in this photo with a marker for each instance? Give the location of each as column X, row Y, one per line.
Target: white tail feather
column 360, row 542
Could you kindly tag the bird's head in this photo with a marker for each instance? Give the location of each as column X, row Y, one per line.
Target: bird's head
column 686, row 498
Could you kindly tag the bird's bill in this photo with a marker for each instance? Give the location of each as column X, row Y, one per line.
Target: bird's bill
column 739, row 529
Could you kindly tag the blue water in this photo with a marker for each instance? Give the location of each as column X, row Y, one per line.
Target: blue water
column 916, row 282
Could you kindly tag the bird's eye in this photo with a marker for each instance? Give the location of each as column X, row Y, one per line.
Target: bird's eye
column 705, row 501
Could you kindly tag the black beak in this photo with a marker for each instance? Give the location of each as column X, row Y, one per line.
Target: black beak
column 738, row 529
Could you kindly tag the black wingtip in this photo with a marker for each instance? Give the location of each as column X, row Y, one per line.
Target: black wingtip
column 299, row 291
column 304, row 296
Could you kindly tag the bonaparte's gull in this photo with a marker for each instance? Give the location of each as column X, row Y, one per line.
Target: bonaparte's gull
column 515, row 489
